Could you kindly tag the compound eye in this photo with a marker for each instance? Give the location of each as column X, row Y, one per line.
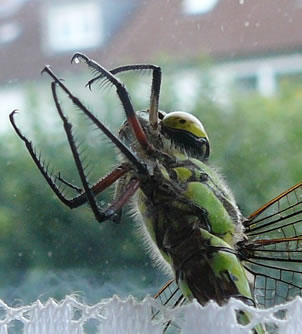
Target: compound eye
column 188, row 132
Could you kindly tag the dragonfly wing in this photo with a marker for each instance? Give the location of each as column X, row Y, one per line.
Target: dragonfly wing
column 169, row 296
column 273, row 249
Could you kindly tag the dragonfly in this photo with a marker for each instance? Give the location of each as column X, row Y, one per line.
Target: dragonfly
column 191, row 221
column 271, row 252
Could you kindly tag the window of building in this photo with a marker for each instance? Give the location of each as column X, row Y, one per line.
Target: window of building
column 9, row 32
column 74, row 26
column 9, row 7
column 193, row 7
column 246, row 84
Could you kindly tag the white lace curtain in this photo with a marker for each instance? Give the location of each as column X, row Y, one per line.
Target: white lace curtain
column 116, row 316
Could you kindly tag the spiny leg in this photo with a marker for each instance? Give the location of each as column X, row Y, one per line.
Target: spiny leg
column 38, row 162
column 97, row 188
column 82, row 198
column 125, row 100
column 116, row 205
column 89, row 193
column 69, row 184
column 104, row 183
column 155, row 86
column 140, row 167
column 68, row 130
column 132, row 185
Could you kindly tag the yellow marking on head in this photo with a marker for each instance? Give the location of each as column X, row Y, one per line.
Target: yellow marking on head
column 184, row 121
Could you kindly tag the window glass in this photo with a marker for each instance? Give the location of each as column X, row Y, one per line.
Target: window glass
column 72, row 26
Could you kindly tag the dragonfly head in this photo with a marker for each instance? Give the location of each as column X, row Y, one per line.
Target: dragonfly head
column 182, row 129
column 188, row 132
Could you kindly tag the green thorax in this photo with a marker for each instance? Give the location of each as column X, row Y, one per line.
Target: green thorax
column 185, row 193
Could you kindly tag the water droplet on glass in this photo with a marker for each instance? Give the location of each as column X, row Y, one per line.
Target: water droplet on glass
column 241, row 2
column 76, row 60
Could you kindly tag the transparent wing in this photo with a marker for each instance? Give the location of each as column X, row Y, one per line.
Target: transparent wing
column 169, row 296
column 273, row 249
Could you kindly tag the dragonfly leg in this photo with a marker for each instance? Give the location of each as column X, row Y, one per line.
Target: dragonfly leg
column 124, row 98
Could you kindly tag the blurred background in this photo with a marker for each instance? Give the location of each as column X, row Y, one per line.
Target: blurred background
column 236, row 64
